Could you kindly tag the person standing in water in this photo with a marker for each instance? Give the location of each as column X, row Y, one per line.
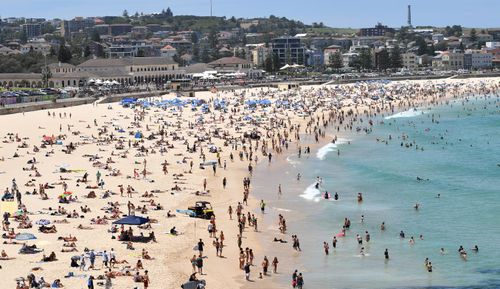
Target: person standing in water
column 326, row 247
column 386, row 254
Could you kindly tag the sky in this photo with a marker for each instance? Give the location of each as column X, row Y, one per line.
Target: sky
column 333, row 13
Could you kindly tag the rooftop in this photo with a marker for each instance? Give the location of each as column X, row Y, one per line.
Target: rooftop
column 230, row 61
column 110, row 62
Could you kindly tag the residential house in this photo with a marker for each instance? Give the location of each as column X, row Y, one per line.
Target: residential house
column 330, row 51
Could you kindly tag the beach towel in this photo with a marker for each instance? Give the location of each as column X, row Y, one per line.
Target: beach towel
column 9, row 207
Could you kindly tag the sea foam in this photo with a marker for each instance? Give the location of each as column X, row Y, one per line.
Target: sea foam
column 408, row 113
column 311, row 193
column 322, row 152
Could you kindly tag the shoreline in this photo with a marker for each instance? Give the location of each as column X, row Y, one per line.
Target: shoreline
column 343, row 137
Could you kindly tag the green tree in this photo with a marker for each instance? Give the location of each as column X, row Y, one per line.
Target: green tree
column 383, row 60
column 268, row 64
column 86, row 51
column 125, row 14
column 96, row 37
column 335, row 60
column 205, row 56
column 196, row 52
column 442, row 46
column 473, row 35
column 64, row 54
column 213, row 38
column 276, row 62
column 169, row 13
column 365, row 59
column 395, row 58
column 422, row 46
column 194, row 38
column 46, row 76
column 52, row 51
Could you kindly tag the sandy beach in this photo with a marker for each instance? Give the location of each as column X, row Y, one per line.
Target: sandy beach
column 147, row 160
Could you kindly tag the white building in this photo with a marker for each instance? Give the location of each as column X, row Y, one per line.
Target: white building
column 348, row 58
column 492, row 44
column 477, row 59
column 36, row 46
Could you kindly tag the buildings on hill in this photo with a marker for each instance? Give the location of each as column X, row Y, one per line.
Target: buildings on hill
column 378, row 30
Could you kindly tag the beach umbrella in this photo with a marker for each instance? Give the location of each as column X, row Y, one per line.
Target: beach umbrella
column 25, row 237
column 132, row 220
column 43, row 222
column 65, row 194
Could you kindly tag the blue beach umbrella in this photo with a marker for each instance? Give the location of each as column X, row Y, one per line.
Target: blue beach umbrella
column 132, row 220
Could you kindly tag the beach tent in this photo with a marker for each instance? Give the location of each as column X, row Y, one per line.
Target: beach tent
column 132, row 220
column 25, row 237
column 287, row 66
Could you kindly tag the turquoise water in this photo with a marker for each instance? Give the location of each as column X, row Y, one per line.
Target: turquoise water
column 461, row 159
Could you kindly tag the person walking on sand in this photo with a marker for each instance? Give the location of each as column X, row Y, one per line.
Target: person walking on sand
column 247, row 271
column 275, row 265
column 200, row 247
column 265, row 265
column 230, row 212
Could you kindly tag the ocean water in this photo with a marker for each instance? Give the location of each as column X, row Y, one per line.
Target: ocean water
column 458, row 157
